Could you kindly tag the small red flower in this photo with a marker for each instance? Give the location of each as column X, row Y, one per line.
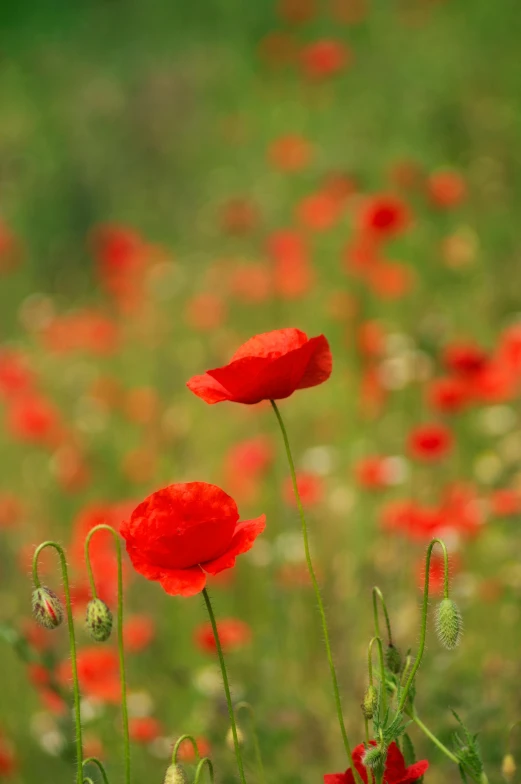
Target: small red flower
column 325, row 58
column 449, row 395
column 186, row 751
column 233, row 634
column 447, row 189
column 430, row 442
column 384, row 216
column 138, row 632
column 182, row 531
column 144, row 729
column 33, row 419
column 310, row 489
column 98, row 673
column 465, row 358
column 373, row 472
column 395, row 770
column 8, row 758
column 270, row 366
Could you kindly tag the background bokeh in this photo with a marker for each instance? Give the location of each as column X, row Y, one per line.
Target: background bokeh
column 174, row 178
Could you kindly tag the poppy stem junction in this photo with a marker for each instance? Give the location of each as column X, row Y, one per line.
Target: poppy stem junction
column 425, row 607
column 121, row 647
column 318, row 595
column 72, row 645
column 226, row 685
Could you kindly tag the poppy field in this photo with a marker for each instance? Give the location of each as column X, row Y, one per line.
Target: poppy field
column 260, row 392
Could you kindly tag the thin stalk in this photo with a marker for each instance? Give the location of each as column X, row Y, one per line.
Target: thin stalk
column 425, row 607
column 205, row 761
column 256, row 745
column 383, row 686
column 226, row 685
column 121, row 647
column 96, row 761
column 318, row 595
column 377, row 594
column 72, row 646
column 426, row 731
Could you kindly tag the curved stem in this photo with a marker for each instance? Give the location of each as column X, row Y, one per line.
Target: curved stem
column 96, row 761
column 426, row 731
column 178, row 744
column 226, row 685
column 383, row 687
column 318, row 595
column 256, row 745
column 425, row 607
column 377, row 594
column 121, row 647
column 72, row 645
column 205, row 761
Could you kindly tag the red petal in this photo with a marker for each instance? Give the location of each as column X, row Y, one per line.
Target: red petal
column 339, row 778
column 183, row 582
column 207, row 388
column 414, row 772
column 271, row 345
column 320, row 363
column 394, row 765
column 243, row 539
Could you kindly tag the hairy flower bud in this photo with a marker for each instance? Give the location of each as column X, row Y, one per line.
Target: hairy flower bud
column 175, row 775
column 47, row 607
column 448, row 624
column 370, row 702
column 393, row 658
column 508, row 767
column 374, row 759
column 98, row 620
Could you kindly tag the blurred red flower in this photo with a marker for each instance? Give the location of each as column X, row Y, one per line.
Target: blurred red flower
column 384, row 216
column 251, row 282
column 182, row 531
column 325, row 58
column 98, row 673
column 320, row 211
column 310, row 489
column 239, row 216
column 430, row 442
column 465, row 358
column 16, row 377
column 186, row 751
column 446, row 189
column 33, row 419
column 436, row 572
column 138, row 632
column 270, row 366
column 233, row 634
column 205, row 311
column 11, row 510
column 83, row 330
column 245, row 465
column 448, row 395
column 144, row 729
column 506, row 502
column 8, row 759
column 390, row 280
column 290, row 153
column 297, row 11
column 395, row 770
column 372, row 472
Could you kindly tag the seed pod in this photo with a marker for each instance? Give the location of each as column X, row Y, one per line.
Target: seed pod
column 47, row 607
column 448, row 624
column 370, row 702
column 98, row 620
column 374, row 759
column 508, row 767
column 393, row 658
column 175, row 775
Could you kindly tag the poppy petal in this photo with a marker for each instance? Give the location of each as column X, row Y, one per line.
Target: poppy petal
column 320, row 364
column 339, row 778
column 394, row 764
column 183, row 582
column 414, row 772
column 243, row 539
column 207, row 388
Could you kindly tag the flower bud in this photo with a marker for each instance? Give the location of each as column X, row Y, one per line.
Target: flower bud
column 374, row 759
column 508, row 767
column 47, row 607
column 393, row 658
column 370, row 702
column 448, row 624
column 229, row 738
column 98, row 620
column 175, row 775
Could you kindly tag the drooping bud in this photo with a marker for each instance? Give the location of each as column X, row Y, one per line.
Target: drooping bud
column 393, row 658
column 98, row 620
column 448, row 624
column 508, row 767
column 374, row 759
column 175, row 775
column 229, row 738
column 370, row 703
column 47, row 607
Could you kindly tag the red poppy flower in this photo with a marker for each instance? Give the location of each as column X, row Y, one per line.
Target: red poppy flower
column 33, row 419
column 205, row 312
column 325, row 58
column 506, row 502
column 430, row 442
column 373, row 472
column 384, row 216
column 270, row 366
column 186, row 751
column 8, row 759
column 448, row 395
column 465, row 358
column 98, row 673
column 395, row 770
column 144, row 729
column 182, row 531
column 138, row 632
column 251, row 282
column 310, row 489
column 447, row 189
column 15, row 376
column 290, row 153
column 233, row 634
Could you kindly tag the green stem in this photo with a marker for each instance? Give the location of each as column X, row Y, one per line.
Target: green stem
column 205, row 761
column 96, row 761
column 256, row 745
column 383, row 686
column 377, row 594
column 226, row 685
column 425, row 607
column 72, row 645
column 426, row 731
column 178, row 744
column 318, row 595
column 121, row 647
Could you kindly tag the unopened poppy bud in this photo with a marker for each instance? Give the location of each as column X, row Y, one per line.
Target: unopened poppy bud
column 98, row 620
column 229, row 738
column 393, row 658
column 175, row 775
column 370, row 702
column 47, row 607
column 448, row 624
column 508, row 767
column 374, row 759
